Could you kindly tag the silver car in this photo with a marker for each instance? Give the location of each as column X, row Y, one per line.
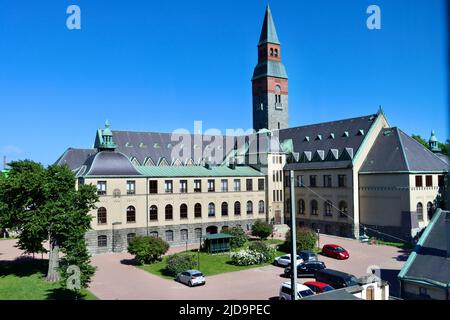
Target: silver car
column 191, row 278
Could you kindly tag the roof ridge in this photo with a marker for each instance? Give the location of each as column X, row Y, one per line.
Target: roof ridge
column 402, row 148
column 328, row 122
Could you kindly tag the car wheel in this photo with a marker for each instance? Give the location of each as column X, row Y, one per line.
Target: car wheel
column 275, row 263
column 282, row 299
column 190, row 284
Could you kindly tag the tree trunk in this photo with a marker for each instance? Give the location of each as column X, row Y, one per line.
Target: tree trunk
column 53, row 261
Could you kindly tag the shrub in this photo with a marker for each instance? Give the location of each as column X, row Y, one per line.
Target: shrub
column 180, row 262
column 239, row 237
column 147, row 249
column 247, row 257
column 306, row 240
column 261, row 229
column 263, row 248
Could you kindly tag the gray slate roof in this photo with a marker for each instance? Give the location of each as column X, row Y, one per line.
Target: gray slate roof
column 430, row 262
column 395, row 151
column 75, row 158
column 109, row 163
column 323, row 139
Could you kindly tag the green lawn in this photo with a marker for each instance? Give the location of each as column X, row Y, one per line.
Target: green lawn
column 400, row 245
column 209, row 264
column 24, row 280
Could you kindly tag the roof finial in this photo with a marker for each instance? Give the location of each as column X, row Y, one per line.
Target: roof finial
column 107, row 124
column 380, row 109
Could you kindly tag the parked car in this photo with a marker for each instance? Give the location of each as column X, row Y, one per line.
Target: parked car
column 318, row 287
column 191, row 278
column 285, row 260
column 286, row 291
column 308, row 256
column 336, row 279
column 335, row 251
column 306, row 268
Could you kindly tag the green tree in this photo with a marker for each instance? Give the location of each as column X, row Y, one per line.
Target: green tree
column 147, row 249
column 445, row 147
column 261, row 229
column 239, row 237
column 45, row 205
column 419, row 139
column 306, row 240
column 180, row 262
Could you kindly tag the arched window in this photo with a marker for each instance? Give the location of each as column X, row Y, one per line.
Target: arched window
column 301, row 206
column 131, row 214
column 130, row 237
column 249, row 207
column 419, row 211
column 154, row 234
column 102, row 241
column 328, row 208
column 153, row 213
column 276, row 52
column 169, row 212
column 430, row 210
column 271, row 52
column 101, row 216
column 198, row 233
column 343, row 209
column 261, row 207
column 224, row 229
column 314, row 207
column 224, row 209
column 184, row 234
column 237, row 208
column 183, row 211
column 169, row 235
column 211, row 210
column 197, row 210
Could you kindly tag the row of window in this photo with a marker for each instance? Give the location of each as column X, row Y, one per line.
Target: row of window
column 327, row 181
column 277, row 160
column 314, row 208
column 168, row 211
column 419, row 210
column 277, row 176
column 429, row 181
column 183, row 186
column 277, row 195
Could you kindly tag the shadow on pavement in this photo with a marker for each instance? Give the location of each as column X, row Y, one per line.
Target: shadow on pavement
column 390, row 276
column 403, row 255
column 128, row 262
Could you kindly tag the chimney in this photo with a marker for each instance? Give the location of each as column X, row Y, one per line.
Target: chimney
column 447, row 231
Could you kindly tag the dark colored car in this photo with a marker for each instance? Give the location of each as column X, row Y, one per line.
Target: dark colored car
column 308, row 256
column 336, row 279
column 306, row 268
column 335, row 251
column 318, row 287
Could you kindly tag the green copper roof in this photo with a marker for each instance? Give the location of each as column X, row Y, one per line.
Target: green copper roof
column 433, row 137
column 198, row 171
column 105, row 138
column 270, row 68
column 268, row 32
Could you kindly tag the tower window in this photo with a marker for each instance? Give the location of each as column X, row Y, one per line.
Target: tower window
column 271, row 52
column 276, row 52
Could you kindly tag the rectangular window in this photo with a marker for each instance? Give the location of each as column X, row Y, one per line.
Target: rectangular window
column 273, row 176
column 274, row 196
column 211, row 186
column 237, row 185
column 300, row 181
column 260, row 184
column 197, row 185
column 327, row 181
column 102, row 241
column 441, row 181
column 429, row 181
column 342, row 181
column 313, row 181
column 419, row 181
column 183, row 186
column 153, row 184
column 131, row 187
column 281, row 195
column 249, row 184
column 224, row 185
column 101, row 188
column 168, row 186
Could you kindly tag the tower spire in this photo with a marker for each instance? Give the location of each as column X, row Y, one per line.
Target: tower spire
column 268, row 31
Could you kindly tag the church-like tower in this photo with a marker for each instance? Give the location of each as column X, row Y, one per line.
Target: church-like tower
column 270, row 81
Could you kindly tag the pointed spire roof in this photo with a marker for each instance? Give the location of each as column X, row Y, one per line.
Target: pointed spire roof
column 268, row 32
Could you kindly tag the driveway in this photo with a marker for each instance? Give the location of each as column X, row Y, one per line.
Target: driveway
column 117, row 279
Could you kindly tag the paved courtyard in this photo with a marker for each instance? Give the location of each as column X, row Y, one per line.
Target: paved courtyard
column 117, row 279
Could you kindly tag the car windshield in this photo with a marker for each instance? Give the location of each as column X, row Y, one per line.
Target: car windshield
column 305, row 293
column 351, row 281
column 197, row 275
column 328, row 288
column 339, row 249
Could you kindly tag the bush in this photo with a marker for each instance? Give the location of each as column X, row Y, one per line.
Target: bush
column 180, row 262
column 147, row 249
column 268, row 252
column 261, row 229
column 247, row 257
column 306, row 240
column 239, row 237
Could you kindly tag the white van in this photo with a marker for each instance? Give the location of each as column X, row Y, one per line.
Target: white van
column 302, row 291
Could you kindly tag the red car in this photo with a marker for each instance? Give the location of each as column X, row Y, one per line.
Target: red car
column 318, row 287
column 335, row 251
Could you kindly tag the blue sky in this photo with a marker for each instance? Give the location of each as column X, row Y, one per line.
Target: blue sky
column 161, row 65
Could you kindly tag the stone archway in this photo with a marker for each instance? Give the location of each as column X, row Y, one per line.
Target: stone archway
column 211, row 230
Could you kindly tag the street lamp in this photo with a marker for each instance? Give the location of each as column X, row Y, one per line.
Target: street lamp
column 318, row 239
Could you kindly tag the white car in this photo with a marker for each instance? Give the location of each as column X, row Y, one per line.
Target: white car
column 285, row 260
column 302, row 291
column 191, row 278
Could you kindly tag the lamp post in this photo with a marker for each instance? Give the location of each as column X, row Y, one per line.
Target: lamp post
column 293, row 240
column 318, row 239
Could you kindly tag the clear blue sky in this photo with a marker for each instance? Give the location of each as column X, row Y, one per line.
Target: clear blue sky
column 160, row 65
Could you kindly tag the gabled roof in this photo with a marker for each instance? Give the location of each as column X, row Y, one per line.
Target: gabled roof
column 429, row 263
column 268, row 31
column 341, row 138
column 395, row 151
